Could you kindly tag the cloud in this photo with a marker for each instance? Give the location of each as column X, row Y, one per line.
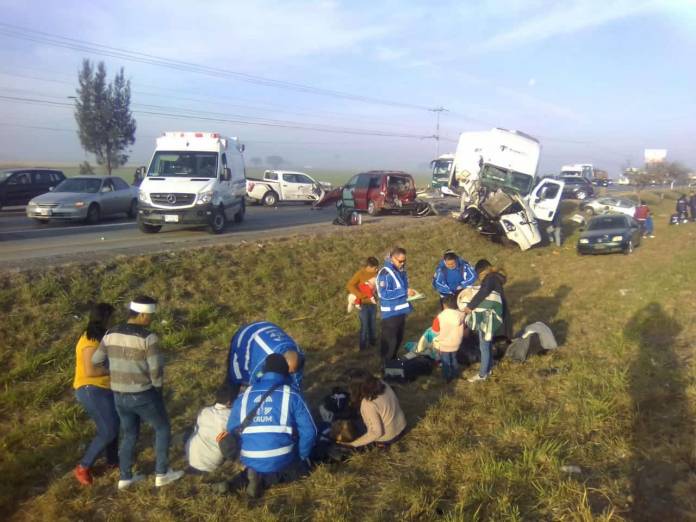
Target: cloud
column 531, row 82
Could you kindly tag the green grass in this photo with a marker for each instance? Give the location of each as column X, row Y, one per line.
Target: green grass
column 617, row 399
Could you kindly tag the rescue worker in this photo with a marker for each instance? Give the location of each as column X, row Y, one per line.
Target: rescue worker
column 682, row 208
column 277, row 442
column 452, row 275
column 393, row 291
column 250, row 346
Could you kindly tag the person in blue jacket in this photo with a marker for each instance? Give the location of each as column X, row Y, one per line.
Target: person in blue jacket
column 452, row 275
column 250, row 346
column 276, row 444
column 393, row 291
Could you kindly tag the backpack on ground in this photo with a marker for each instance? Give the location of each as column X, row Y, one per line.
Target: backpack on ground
column 408, row 368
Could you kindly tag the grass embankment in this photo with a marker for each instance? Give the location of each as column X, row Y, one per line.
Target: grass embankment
column 617, row 399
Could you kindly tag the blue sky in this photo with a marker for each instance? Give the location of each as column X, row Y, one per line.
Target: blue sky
column 596, row 81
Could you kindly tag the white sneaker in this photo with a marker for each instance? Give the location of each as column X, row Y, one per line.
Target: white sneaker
column 168, row 477
column 477, row 378
column 123, row 484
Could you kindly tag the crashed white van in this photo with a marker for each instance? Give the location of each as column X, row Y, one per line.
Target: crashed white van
column 495, row 173
column 194, row 178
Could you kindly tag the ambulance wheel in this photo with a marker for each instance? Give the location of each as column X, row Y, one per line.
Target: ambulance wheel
column 217, row 221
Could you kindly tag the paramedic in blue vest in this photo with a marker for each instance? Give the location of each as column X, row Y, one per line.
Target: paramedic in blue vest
column 393, row 291
column 276, row 444
column 452, row 275
column 252, row 344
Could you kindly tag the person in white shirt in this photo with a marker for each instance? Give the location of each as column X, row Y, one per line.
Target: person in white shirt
column 450, row 324
column 202, row 450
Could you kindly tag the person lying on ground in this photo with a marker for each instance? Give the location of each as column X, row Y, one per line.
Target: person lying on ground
column 452, row 275
column 93, row 391
column 131, row 353
column 488, row 314
column 279, row 437
column 379, row 409
column 450, row 327
column 250, row 346
column 202, row 449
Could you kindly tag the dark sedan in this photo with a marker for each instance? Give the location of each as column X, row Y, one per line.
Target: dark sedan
column 609, row 233
column 576, row 187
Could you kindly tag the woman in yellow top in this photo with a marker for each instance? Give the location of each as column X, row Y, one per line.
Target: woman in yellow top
column 93, row 392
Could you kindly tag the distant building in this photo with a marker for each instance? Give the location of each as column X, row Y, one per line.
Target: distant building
column 655, row 156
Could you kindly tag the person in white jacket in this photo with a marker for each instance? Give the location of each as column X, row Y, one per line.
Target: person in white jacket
column 450, row 325
column 202, row 450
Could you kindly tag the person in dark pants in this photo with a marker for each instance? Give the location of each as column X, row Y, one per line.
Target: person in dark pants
column 93, row 392
column 368, row 309
column 393, row 291
column 692, row 205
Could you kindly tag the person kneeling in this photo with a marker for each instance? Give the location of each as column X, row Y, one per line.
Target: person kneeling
column 278, row 430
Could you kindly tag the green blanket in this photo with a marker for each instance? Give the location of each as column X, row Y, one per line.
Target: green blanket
column 488, row 316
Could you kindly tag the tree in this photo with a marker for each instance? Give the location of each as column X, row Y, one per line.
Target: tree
column 86, row 169
column 659, row 173
column 106, row 125
column 275, row 161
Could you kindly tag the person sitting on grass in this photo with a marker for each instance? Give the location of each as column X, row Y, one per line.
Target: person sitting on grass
column 450, row 327
column 379, row 409
column 279, row 436
column 202, row 449
column 93, row 392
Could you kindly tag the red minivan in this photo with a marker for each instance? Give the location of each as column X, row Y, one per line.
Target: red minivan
column 380, row 190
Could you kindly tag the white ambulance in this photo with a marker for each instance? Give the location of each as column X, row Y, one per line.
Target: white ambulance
column 194, row 178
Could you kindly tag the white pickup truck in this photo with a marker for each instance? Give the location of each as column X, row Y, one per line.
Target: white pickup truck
column 285, row 185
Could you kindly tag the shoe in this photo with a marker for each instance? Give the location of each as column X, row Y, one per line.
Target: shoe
column 167, row 478
column 126, row 483
column 83, row 475
column 477, row 378
column 255, row 487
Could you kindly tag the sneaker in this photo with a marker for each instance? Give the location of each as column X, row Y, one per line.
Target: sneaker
column 167, row 478
column 83, row 475
column 477, row 378
column 126, row 483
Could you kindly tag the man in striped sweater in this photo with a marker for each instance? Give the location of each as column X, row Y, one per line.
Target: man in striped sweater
column 131, row 353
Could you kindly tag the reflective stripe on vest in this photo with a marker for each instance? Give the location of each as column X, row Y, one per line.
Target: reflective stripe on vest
column 391, row 273
column 268, row 429
column 394, row 308
column 235, row 358
column 284, row 409
column 267, row 453
column 260, row 342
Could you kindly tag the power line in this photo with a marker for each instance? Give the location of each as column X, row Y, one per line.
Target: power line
column 54, row 40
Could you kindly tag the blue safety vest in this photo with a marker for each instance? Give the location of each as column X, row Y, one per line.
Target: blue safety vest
column 447, row 281
column 282, row 430
column 250, row 346
column 392, row 289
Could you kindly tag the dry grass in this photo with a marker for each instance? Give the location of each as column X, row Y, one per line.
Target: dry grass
column 617, row 399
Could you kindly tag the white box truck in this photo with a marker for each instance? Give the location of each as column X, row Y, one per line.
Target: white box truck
column 495, row 174
column 194, row 178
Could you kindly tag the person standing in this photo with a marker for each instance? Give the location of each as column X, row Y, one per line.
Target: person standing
column 368, row 309
column 682, row 208
column 452, row 275
column 692, row 205
column 393, row 292
column 93, row 392
column 450, row 328
column 131, row 353
column 644, row 218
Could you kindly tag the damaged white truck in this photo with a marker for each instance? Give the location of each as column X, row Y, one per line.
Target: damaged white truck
column 494, row 174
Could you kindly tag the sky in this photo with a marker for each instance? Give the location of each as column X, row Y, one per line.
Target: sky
column 352, row 85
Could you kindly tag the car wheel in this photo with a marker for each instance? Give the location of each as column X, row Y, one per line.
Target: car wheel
column 239, row 216
column 92, row 214
column 148, row 229
column 270, row 199
column 372, row 208
column 218, row 221
column 629, row 248
column 581, row 195
column 133, row 209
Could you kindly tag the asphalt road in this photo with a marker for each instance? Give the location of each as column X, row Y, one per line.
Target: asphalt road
column 22, row 240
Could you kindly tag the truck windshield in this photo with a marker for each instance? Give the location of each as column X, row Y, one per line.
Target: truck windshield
column 441, row 168
column 507, row 179
column 184, row 164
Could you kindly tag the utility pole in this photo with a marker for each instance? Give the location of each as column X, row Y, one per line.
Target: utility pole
column 437, row 111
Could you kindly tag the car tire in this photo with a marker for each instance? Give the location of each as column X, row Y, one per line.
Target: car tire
column 270, row 199
column 148, row 229
column 133, row 209
column 239, row 216
column 581, row 195
column 217, row 221
column 92, row 214
column 629, row 248
column 372, row 208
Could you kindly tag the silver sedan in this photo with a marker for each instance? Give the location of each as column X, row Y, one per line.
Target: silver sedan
column 85, row 198
column 606, row 205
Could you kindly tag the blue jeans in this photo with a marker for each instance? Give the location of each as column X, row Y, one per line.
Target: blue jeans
column 99, row 404
column 132, row 408
column 368, row 325
column 486, row 359
column 450, row 366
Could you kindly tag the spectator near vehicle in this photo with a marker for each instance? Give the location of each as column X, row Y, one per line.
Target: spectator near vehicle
column 644, row 218
column 279, row 438
column 131, row 353
column 368, row 309
column 393, row 291
column 452, row 275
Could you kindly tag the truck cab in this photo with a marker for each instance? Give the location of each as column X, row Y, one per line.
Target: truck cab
column 194, row 178
column 442, row 168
